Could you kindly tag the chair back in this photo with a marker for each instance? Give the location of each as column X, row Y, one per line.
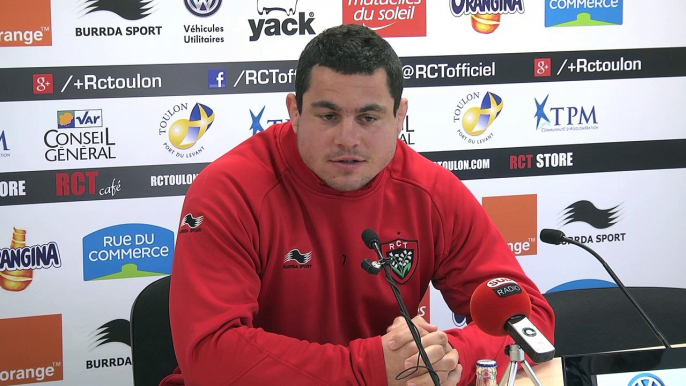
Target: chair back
column 152, row 349
column 602, row 319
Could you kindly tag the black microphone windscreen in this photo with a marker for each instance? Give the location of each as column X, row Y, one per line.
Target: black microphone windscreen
column 551, row 236
column 370, row 237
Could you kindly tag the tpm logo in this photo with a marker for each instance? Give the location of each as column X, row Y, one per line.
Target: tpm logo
column 558, row 117
column 582, row 13
column 256, row 121
column 127, row 251
column 4, row 148
column 517, row 219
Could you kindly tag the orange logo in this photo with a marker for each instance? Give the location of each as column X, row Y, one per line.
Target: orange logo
column 32, row 350
column 406, row 18
column 25, row 23
column 516, row 217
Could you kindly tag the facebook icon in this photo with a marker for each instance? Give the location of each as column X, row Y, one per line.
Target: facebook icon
column 215, row 78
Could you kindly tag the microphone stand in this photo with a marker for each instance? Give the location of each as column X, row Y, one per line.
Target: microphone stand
column 516, row 354
column 374, row 268
column 652, row 326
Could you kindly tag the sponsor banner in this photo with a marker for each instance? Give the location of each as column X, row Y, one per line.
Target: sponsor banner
column 25, row 23
column 516, row 218
column 279, row 76
column 388, row 19
column 48, row 186
column 127, row 251
column 36, row 187
column 36, row 355
column 563, row 159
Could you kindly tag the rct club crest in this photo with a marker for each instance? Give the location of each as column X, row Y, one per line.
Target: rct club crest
column 404, row 255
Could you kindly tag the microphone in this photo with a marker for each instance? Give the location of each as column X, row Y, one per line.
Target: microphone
column 502, row 307
column 556, row 237
column 371, row 240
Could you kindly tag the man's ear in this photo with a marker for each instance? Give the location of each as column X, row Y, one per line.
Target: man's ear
column 292, row 106
column 401, row 114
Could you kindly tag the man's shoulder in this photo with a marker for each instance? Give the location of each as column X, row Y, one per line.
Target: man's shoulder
column 415, row 169
column 253, row 165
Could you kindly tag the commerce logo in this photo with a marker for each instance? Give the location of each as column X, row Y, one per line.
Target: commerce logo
column 256, row 124
column 277, row 27
column 114, row 331
column 127, row 251
column 126, row 9
column 25, row 23
column 572, row 13
column 517, row 219
column 485, row 14
column 18, row 262
column 565, row 118
column 184, row 133
column 476, row 119
column 36, row 355
column 388, row 19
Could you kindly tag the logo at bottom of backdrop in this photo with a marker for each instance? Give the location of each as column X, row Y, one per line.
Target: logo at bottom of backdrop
column 404, row 255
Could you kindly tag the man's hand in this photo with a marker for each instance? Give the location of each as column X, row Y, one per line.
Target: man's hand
column 401, row 353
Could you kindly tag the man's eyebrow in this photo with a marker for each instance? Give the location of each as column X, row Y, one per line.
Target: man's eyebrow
column 325, row 105
column 372, row 107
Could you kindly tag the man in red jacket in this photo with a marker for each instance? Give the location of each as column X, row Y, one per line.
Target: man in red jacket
column 267, row 286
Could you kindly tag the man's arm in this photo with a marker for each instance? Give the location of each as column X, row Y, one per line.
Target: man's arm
column 214, row 290
column 475, row 251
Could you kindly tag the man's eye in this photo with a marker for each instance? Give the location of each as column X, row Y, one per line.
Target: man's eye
column 369, row 119
column 328, row 117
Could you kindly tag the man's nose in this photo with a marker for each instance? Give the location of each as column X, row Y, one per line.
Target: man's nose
column 348, row 134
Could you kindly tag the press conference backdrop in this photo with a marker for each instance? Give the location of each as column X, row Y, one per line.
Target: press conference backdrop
column 582, row 130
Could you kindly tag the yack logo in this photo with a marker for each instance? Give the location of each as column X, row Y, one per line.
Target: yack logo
column 276, row 27
column 127, row 251
column 404, row 255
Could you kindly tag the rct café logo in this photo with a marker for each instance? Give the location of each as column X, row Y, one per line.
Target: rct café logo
column 182, row 134
column 127, row 251
column 277, row 27
column 126, row 9
column 566, row 13
column 485, row 14
column 476, row 119
column 203, row 8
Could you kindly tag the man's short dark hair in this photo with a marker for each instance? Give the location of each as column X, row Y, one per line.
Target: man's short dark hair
column 349, row 49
